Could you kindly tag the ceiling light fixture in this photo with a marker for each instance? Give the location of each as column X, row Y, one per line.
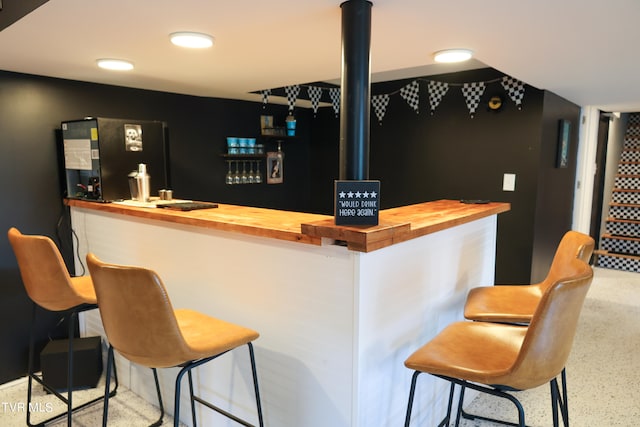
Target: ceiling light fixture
column 452, row 55
column 115, row 64
column 191, row 39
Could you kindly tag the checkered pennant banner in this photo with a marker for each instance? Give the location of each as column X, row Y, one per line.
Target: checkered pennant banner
column 410, row 94
column 472, row 93
column 315, row 93
column 265, row 97
column 380, row 103
column 334, row 93
column 515, row 89
column 437, row 91
column 292, row 95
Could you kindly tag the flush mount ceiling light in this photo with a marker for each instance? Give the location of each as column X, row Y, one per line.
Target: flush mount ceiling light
column 192, row 40
column 114, row 64
column 452, row 55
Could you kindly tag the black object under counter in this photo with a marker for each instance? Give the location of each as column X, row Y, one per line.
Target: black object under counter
column 87, row 363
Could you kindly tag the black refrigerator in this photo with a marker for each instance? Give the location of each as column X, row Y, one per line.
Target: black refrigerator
column 100, row 153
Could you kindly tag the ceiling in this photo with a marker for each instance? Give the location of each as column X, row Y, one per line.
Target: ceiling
column 578, row 49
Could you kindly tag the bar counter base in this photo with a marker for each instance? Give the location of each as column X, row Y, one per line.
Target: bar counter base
column 335, row 324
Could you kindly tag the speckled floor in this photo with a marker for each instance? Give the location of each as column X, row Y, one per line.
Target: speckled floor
column 603, row 373
column 125, row 409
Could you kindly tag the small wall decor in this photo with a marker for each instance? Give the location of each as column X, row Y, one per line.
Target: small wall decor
column 495, row 103
column 133, row 137
column 275, row 162
column 564, row 138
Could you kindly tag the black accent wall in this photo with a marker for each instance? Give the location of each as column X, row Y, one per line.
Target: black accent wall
column 31, row 111
column 449, row 155
column 417, row 157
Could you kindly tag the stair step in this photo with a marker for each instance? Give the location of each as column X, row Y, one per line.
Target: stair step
column 629, row 168
column 605, row 259
column 630, row 155
column 626, row 190
column 631, row 142
column 627, row 181
column 626, row 196
column 624, row 211
column 620, row 244
column 621, row 227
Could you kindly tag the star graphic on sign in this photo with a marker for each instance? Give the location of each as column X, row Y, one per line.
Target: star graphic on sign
column 341, row 195
column 350, row 194
column 365, row 194
column 373, row 194
column 358, row 194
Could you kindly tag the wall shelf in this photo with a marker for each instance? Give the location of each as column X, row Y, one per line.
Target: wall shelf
column 269, row 137
column 243, row 156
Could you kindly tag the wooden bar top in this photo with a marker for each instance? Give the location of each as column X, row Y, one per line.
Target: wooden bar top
column 395, row 225
column 403, row 223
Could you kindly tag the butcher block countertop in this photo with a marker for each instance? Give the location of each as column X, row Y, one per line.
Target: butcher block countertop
column 395, row 225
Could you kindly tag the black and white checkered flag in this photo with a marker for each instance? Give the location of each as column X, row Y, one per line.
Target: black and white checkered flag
column 315, row 93
column 380, row 103
column 515, row 89
column 292, row 95
column 334, row 93
column 410, row 94
column 472, row 93
column 437, row 91
column 265, row 97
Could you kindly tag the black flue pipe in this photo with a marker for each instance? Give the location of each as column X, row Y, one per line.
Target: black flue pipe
column 356, row 90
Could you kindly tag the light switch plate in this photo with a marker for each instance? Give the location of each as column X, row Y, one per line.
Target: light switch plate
column 509, row 182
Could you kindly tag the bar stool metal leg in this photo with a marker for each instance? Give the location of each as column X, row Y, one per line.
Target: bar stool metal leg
column 186, row 369
column 460, row 402
column 160, row 404
column 255, row 384
column 192, row 400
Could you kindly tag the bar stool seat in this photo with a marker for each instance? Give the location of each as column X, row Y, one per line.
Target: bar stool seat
column 142, row 325
column 49, row 286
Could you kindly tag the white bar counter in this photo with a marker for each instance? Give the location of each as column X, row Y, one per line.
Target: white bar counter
column 338, row 309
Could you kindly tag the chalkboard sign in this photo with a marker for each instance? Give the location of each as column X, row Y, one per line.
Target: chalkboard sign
column 357, row 202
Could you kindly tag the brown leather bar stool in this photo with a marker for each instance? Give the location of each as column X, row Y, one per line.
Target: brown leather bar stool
column 49, row 286
column 513, row 357
column 516, row 304
column 143, row 327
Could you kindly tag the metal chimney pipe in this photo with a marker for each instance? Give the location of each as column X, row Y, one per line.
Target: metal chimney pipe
column 356, row 90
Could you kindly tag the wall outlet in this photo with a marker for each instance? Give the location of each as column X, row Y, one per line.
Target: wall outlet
column 509, row 182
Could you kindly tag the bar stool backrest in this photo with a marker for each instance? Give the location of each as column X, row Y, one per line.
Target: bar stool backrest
column 137, row 314
column 550, row 334
column 573, row 245
column 44, row 272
